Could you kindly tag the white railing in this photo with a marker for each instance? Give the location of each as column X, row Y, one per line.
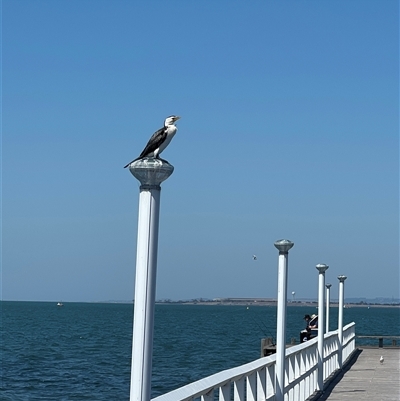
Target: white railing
column 255, row 381
column 349, row 341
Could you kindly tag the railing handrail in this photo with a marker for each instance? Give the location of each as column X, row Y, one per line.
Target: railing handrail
column 202, row 386
column 218, row 380
column 386, row 337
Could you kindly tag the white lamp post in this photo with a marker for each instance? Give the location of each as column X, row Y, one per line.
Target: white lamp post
column 150, row 172
column 328, row 296
column 340, row 319
column 321, row 295
column 283, row 246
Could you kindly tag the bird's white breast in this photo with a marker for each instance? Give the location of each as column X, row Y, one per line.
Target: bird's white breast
column 171, row 131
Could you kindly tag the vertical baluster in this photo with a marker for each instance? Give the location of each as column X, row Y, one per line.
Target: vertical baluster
column 261, row 384
column 334, row 352
column 286, row 376
column 307, row 369
column 314, row 359
column 290, row 375
column 225, row 392
column 251, row 387
column 311, row 386
column 330, row 353
column 337, row 352
column 296, row 376
column 302, row 384
column 326, row 361
column 270, row 386
column 208, row 397
column 238, row 390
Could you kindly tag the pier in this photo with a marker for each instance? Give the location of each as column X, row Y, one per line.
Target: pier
column 304, row 372
column 363, row 376
column 256, row 380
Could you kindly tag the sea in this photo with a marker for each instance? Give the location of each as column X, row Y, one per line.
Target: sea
column 82, row 351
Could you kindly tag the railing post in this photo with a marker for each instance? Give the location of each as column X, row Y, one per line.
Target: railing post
column 150, row 173
column 321, row 304
column 340, row 320
column 283, row 246
column 328, row 297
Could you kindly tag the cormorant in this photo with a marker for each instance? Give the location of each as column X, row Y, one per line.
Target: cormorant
column 159, row 140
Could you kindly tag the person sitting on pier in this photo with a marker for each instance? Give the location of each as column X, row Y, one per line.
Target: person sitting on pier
column 304, row 333
column 311, row 324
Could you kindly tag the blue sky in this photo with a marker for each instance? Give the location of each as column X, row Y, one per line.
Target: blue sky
column 289, row 129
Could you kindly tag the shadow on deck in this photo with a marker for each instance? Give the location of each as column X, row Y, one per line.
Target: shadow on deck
column 364, row 377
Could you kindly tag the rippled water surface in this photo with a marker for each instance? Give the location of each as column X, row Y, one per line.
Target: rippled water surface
column 82, row 351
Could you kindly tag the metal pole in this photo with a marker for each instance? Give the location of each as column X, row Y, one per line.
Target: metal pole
column 328, row 296
column 340, row 320
column 321, row 300
column 150, row 172
column 283, row 246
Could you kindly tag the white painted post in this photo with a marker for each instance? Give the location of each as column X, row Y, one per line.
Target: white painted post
column 328, row 298
column 150, row 172
column 283, row 246
column 340, row 320
column 321, row 304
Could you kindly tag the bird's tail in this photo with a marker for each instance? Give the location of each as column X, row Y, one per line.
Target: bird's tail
column 131, row 162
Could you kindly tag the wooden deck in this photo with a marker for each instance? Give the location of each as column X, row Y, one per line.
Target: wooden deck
column 365, row 378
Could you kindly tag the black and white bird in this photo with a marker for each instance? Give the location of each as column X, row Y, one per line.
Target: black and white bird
column 159, row 140
column 381, row 359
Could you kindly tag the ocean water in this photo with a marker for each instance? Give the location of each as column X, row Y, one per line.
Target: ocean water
column 82, row 351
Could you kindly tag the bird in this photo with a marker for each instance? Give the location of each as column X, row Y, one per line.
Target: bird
column 159, row 140
column 254, row 257
column 381, row 359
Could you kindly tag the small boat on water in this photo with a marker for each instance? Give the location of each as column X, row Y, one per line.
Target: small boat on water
column 60, row 304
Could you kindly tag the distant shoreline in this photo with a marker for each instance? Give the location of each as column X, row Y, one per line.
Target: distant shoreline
column 274, row 303
column 233, row 302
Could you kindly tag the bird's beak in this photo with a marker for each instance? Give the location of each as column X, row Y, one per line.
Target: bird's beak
column 176, row 118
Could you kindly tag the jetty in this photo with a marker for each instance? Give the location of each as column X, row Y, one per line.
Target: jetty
column 308, row 371
column 363, row 376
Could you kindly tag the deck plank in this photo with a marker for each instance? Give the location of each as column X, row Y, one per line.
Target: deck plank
column 368, row 379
